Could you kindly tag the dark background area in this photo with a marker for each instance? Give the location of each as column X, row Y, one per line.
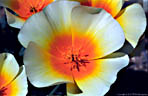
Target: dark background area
column 131, row 81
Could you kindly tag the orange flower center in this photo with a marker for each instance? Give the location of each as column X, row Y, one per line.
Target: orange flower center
column 98, row 4
column 103, row 5
column 26, row 8
column 73, row 55
column 2, row 91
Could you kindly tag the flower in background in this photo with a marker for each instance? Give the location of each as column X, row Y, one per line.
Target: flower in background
column 24, row 9
column 13, row 81
column 70, row 45
column 132, row 18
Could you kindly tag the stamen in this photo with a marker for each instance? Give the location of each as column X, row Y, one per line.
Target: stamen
column 33, row 10
column 77, row 62
column 86, row 55
column 2, row 91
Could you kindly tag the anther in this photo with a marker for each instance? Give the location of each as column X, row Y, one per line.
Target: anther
column 33, row 9
column 72, row 57
column 77, row 62
column 86, row 55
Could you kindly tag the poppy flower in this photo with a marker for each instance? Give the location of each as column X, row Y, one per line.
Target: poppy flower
column 132, row 18
column 66, row 43
column 13, row 81
column 24, row 9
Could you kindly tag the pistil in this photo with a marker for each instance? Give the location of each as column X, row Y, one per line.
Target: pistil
column 77, row 61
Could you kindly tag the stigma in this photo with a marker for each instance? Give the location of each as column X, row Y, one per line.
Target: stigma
column 77, row 61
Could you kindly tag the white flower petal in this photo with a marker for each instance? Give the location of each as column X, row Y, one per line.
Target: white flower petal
column 19, row 85
column 14, row 21
column 133, row 22
column 37, row 29
column 104, row 30
column 9, row 68
column 105, row 74
column 38, row 67
column 42, row 26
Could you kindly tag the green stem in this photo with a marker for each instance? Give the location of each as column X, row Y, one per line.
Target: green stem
column 54, row 90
